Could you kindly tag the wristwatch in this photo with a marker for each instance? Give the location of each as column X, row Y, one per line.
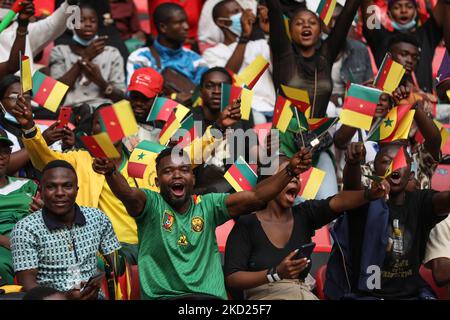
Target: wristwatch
column 109, row 89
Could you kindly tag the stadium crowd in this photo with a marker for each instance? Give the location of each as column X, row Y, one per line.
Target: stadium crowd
column 122, row 151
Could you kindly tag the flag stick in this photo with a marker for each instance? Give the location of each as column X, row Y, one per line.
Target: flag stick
column 21, row 75
column 299, row 126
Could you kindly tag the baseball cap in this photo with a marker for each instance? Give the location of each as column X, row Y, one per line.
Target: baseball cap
column 4, row 137
column 146, row 81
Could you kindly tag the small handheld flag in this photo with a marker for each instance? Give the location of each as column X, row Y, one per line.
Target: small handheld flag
column 282, row 114
column 311, row 181
column 144, row 154
column 161, row 109
column 299, row 98
column 391, row 122
column 230, row 93
column 100, row 146
column 25, row 74
column 118, row 120
column 252, row 73
column 389, row 75
column 169, row 128
column 398, row 162
column 240, row 176
column 324, row 9
column 359, row 106
column 47, row 91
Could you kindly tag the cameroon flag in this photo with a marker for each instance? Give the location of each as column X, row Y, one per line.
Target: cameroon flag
column 310, row 182
column 389, row 75
column 47, row 91
column 230, row 92
column 299, row 97
column 240, row 176
column 359, row 106
column 144, row 154
column 320, row 125
column 118, row 120
column 325, row 10
column 398, row 162
column 170, row 127
column 188, row 134
column 390, row 123
column 25, row 74
column 100, row 146
column 251, row 74
column 181, row 111
column 282, row 114
column 162, row 109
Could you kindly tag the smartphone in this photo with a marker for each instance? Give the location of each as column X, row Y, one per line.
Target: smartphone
column 305, row 251
column 95, row 279
column 64, row 116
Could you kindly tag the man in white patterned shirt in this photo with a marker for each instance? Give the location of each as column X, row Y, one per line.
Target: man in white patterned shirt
column 57, row 246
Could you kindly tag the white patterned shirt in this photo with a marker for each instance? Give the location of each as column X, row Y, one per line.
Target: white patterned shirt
column 63, row 257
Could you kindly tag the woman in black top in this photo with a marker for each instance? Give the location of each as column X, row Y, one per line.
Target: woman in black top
column 306, row 62
column 268, row 240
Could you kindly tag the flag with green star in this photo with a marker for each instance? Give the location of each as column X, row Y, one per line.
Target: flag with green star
column 391, row 122
column 144, row 154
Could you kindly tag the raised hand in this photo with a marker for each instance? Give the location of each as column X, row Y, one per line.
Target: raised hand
column 68, row 140
column 263, row 18
column 231, row 115
column 301, row 161
column 27, row 12
column 379, row 190
column 247, row 21
column 401, row 94
column 95, row 48
column 291, row 268
column 22, row 112
column 93, row 73
column 103, row 166
column 356, row 153
column 53, row 134
column 36, row 204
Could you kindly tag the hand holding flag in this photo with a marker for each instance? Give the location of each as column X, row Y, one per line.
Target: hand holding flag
column 9, row 17
column 230, row 93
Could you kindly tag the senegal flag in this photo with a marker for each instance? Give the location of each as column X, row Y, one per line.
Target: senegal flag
column 144, row 154
column 25, row 74
column 359, row 106
column 390, row 123
column 251, row 74
column 398, row 162
column 100, row 146
column 230, row 92
column 389, row 75
column 161, row 109
column 402, row 131
column 282, row 114
column 311, row 181
column 118, row 120
column 47, row 91
column 170, row 127
column 299, row 97
column 240, row 176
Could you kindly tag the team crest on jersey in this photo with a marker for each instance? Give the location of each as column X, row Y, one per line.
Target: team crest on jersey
column 182, row 241
column 168, row 220
column 197, row 224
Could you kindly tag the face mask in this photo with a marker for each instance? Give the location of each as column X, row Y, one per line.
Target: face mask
column 8, row 116
column 404, row 27
column 82, row 42
column 236, row 26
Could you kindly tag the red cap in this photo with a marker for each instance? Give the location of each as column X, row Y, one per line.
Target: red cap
column 146, row 81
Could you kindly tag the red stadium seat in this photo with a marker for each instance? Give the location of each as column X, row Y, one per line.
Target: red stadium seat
column 323, row 240
column 441, row 178
column 222, row 233
column 427, row 275
column 320, row 282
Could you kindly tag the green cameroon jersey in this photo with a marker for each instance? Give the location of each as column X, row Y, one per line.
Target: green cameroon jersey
column 178, row 253
column 15, row 199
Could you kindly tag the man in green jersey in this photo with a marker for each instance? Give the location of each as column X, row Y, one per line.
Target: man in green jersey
column 178, row 254
column 15, row 198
